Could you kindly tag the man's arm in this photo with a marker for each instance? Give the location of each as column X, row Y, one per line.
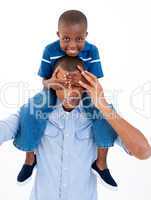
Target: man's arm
column 9, row 127
column 133, row 139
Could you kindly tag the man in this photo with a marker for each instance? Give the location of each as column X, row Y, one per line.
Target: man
column 64, row 146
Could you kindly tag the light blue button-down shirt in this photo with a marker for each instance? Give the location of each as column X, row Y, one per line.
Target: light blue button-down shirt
column 64, row 156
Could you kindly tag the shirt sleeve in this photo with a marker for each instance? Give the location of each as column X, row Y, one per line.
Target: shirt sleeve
column 95, row 66
column 45, row 70
column 9, row 127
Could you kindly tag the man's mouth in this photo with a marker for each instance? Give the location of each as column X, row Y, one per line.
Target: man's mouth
column 72, row 100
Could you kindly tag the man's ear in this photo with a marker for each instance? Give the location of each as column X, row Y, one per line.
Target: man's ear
column 86, row 34
column 58, row 34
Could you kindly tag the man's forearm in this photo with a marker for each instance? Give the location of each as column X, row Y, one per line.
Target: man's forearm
column 132, row 138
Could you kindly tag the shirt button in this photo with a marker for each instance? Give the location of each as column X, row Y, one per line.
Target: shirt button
column 64, row 185
column 61, row 127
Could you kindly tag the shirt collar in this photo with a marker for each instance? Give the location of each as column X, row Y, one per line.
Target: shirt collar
column 58, row 115
column 78, row 108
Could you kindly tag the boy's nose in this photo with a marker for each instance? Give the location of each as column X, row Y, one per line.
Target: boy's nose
column 72, row 45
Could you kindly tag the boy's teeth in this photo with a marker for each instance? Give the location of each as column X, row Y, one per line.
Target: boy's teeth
column 71, row 51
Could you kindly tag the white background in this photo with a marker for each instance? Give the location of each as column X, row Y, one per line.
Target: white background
column 121, row 30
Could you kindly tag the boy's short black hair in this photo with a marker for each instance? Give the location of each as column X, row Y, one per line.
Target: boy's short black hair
column 73, row 17
column 69, row 63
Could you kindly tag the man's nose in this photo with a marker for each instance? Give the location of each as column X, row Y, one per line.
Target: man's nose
column 73, row 92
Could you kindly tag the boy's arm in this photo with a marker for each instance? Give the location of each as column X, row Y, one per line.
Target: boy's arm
column 95, row 66
column 9, row 127
column 45, row 83
column 45, row 70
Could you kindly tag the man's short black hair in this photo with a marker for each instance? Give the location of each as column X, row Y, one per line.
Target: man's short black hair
column 69, row 63
column 72, row 17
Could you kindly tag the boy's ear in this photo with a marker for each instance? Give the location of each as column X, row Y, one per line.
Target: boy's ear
column 58, row 34
column 86, row 34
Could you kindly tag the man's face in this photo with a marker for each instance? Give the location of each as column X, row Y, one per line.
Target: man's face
column 70, row 95
column 72, row 38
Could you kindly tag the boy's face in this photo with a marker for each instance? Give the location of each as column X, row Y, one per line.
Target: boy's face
column 72, row 38
column 70, row 96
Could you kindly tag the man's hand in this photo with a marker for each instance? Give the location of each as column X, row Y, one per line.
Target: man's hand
column 93, row 87
column 56, row 83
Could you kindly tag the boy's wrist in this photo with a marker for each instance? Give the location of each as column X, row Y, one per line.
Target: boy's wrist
column 45, row 83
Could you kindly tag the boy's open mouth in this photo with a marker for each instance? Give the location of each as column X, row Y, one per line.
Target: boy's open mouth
column 72, row 52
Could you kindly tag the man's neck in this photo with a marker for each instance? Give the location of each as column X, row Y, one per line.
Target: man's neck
column 67, row 109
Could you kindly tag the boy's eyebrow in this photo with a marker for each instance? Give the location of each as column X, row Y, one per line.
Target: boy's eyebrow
column 66, row 34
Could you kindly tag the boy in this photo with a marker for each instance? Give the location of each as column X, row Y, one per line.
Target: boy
column 72, row 33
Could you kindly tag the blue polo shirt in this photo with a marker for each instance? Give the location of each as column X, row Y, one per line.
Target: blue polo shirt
column 89, row 55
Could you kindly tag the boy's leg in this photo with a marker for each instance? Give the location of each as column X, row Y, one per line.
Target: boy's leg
column 28, row 167
column 29, row 158
column 102, row 158
column 104, row 137
column 99, row 168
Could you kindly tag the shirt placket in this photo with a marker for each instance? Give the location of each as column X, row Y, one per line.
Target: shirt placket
column 66, row 158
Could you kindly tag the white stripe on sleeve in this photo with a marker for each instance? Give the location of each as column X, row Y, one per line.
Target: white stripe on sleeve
column 95, row 61
column 47, row 61
column 55, row 57
column 85, row 59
